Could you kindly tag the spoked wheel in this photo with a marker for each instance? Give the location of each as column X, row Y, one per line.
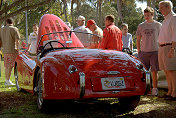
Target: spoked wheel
column 40, row 101
column 16, row 78
column 129, row 103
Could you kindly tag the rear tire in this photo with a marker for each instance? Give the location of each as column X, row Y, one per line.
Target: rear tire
column 41, row 103
column 129, row 103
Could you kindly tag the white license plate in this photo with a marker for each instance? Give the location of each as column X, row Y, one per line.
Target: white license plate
column 113, row 83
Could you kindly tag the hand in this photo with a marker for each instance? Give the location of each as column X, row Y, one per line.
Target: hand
column 171, row 53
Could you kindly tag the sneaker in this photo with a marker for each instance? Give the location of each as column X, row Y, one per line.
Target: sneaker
column 9, row 83
column 155, row 91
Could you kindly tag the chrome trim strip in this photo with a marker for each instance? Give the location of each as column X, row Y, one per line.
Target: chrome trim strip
column 113, row 72
column 82, row 84
column 148, row 82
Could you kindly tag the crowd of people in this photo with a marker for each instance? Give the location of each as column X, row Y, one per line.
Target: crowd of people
column 156, row 43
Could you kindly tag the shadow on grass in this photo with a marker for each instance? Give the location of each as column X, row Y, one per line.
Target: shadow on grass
column 19, row 103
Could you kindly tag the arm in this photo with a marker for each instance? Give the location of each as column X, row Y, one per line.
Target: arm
column 131, row 43
column 104, row 39
column 172, row 50
column 173, row 47
column 138, row 43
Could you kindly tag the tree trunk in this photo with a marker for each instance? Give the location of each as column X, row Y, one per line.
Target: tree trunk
column 78, row 5
column 153, row 6
column 72, row 2
column 149, row 3
column 119, row 15
column 65, row 10
column 99, row 11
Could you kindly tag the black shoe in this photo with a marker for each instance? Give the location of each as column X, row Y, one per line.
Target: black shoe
column 164, row 96
column 171, row 98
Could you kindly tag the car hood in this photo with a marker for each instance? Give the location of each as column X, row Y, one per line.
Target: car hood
column 95, row 60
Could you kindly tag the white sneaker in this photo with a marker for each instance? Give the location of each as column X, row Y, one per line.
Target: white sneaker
column 155, row 91
column 9, row 83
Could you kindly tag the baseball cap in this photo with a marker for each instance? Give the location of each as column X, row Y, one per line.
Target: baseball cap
column 81, row 18
column 89, row 23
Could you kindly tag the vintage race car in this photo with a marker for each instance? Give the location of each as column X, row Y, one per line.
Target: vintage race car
column 62, row 69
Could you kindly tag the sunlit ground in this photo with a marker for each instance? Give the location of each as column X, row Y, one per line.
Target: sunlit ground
column 22, row 105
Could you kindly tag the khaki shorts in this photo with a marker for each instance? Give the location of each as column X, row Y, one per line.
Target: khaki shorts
column 166, row 63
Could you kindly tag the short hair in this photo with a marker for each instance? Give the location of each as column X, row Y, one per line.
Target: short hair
column 110, row 18
column 35, row 25
column 124, row 25
column 149, row 10
column 9, row 21
column 167, row 4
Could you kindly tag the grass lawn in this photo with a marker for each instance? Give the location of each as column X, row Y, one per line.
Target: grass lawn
column 2, row 80
column 14, row 104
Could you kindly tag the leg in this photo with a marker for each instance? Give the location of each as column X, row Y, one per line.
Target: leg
column 154, row 71
column 154, row 79
column 8, row 72
column 172, row 75
column 169, row 83
column 9, row 60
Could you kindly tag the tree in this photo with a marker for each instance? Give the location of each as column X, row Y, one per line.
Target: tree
column 12, row 8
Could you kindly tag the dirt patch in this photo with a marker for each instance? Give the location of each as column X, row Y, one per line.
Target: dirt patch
column 11, row 99
column 149, row 107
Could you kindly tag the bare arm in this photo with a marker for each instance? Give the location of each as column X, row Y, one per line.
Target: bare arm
column 138, row 43
column 172, row 50
column 17, row 44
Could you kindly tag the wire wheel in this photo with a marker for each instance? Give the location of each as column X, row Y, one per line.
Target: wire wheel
column 16, row 78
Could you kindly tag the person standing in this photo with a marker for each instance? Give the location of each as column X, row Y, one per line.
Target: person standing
column 147, row 45
column 9, row 36
column 81, row 31
column 112, row 35
column 96, row 39
column 126, row 38
column 32, row 42
column 167, row 46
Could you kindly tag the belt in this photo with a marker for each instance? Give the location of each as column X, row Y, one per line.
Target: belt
column 161, row 45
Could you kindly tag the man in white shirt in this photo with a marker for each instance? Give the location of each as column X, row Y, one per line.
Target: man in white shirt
column 84, row 38
column 167, row 42
column 32, row 42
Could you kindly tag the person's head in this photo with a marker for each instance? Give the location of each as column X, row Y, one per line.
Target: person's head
column 35, row 27
column 165, row 7
column 91, row 25
column 149, row 13
column 109, row 19
column 124, row 28
column 81, row 20
column 9, row 21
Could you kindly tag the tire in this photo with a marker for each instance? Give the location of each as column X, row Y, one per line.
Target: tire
column 129, row 103
column 41, row 103
column 16, row 78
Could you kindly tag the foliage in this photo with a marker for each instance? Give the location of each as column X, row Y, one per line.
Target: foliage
column 160, row 17
column 88, row 8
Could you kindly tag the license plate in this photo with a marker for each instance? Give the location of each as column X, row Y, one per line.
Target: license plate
column 113, row 83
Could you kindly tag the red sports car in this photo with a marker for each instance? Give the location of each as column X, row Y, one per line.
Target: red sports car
column 62, row 69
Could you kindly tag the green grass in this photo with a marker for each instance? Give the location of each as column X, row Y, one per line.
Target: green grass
column 14, row 104
column 2, row 80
